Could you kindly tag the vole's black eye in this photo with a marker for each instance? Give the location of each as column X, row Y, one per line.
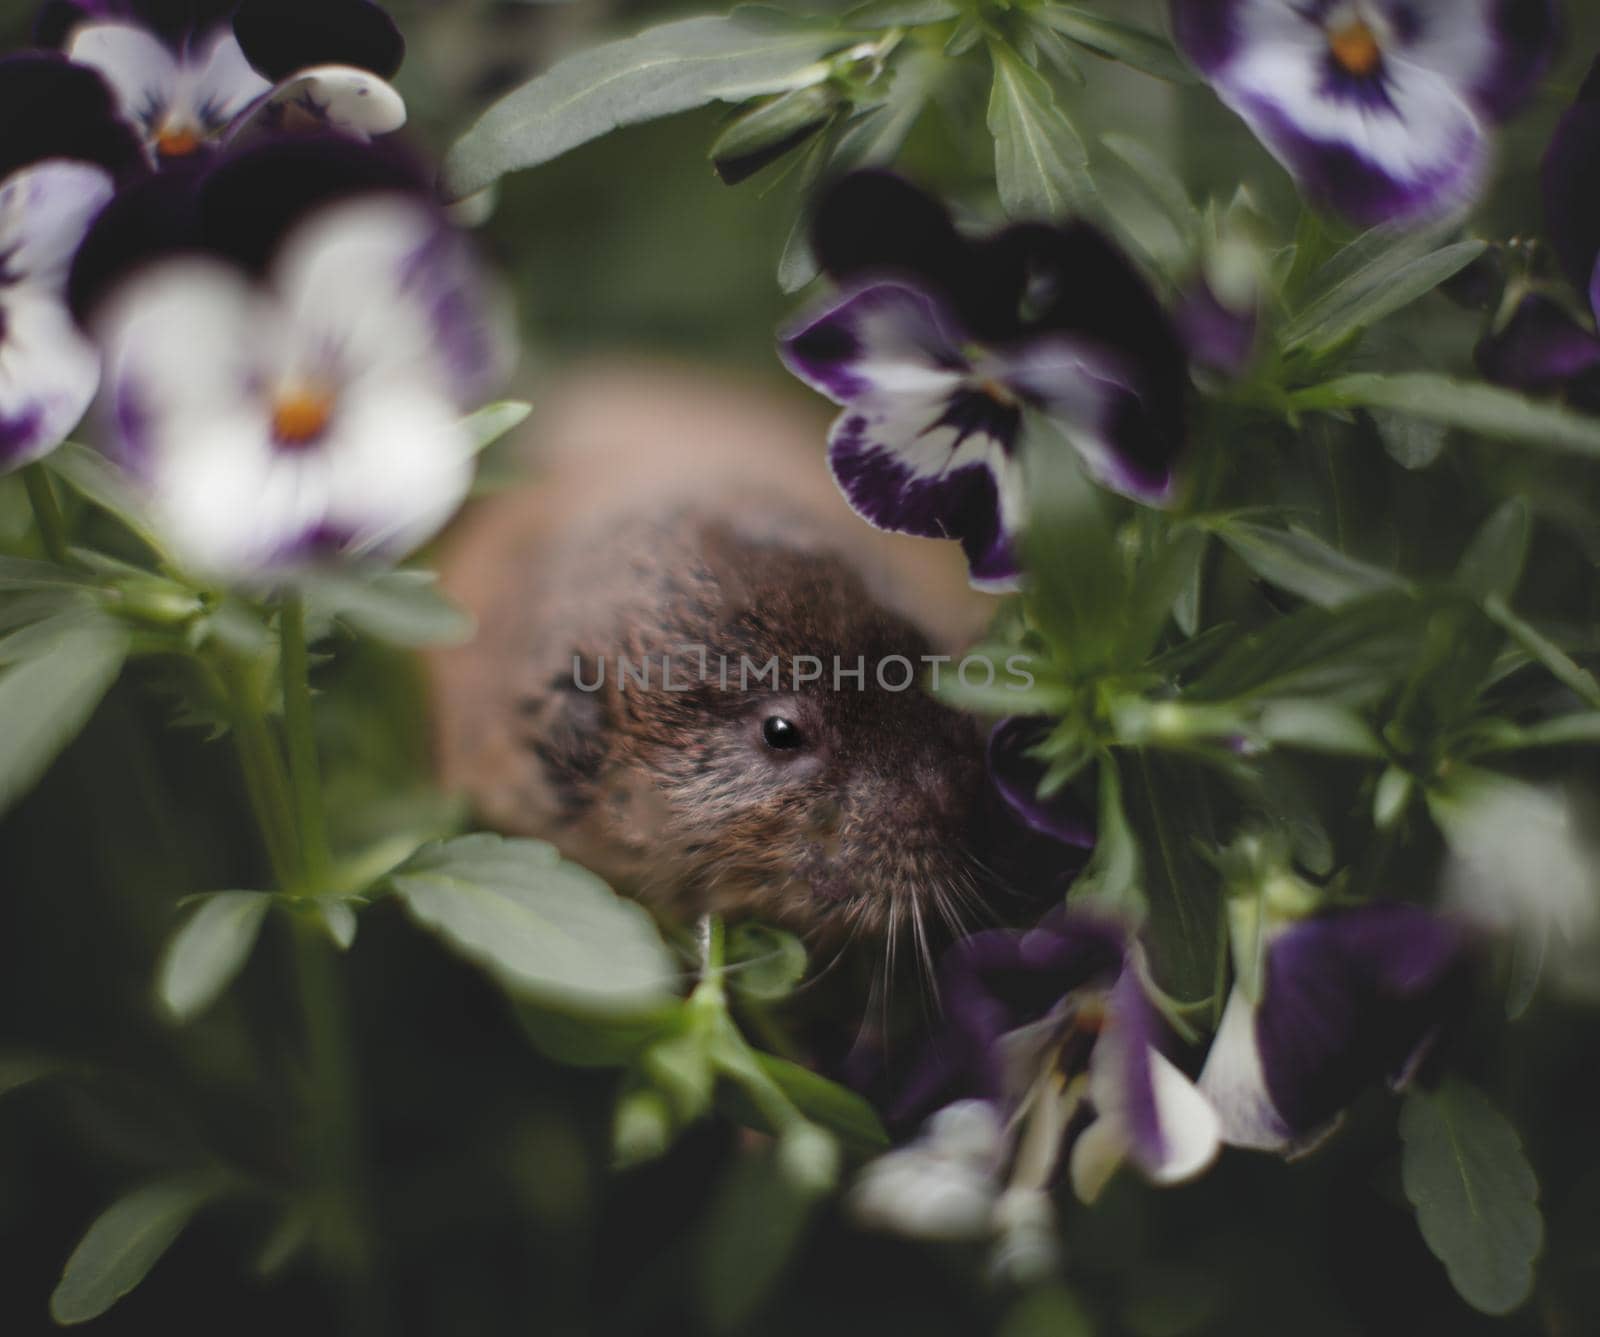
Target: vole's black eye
column 780, row 733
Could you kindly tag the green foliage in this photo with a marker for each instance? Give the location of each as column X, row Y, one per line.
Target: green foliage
column 544, row 928
column 1474, row 1193
column 1040, row 164
column 124, row 1243
column 209, row 950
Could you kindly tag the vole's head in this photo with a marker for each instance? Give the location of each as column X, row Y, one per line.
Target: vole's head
column 793, row 766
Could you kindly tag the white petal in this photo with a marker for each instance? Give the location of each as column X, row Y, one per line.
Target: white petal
column 1042, row 1123
column 400, row 464
column 1232, row 1080
column 1456, row 38
column 217, row 83
column 140, row 68
column 48, row 375
column 45, row 210
column 1098, row 1151
column 1189, row 1125
column 338, row 97
column 942, row 1186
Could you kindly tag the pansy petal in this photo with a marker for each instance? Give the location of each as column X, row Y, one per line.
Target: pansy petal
column 142, row 70
column 1097, row 1154
column 1350, row 999
column 150, row 220
column 282, row 36
column 1219, row 337
column 339, row 98
column 1017, row 776
column 1233, row 1083
column 53, row 109
column 1170, row 1130
column 1496, row 49
column 1571, row 199
column 219, row 82
column 1541, row 348
column 45, row 210
column 1093, row 396
column 48, row 375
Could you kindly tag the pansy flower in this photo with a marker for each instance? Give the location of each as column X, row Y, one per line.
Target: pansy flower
column 1379, row 108
column 60, row 157
column 1544, row 348
column 936, row 345
column 1346, row 1000
column 189, row 75
column 1054, row 1028
column 1017, row 775
column 309, row 409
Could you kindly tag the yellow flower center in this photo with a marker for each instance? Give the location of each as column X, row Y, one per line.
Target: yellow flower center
column 301, row 415
column 1355, row 47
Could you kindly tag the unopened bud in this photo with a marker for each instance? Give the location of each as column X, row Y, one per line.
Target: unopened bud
column 772, row 129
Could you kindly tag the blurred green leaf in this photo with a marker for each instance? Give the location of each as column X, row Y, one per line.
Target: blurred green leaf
column 546, row 929
column 1486, row 409
column 403, row 608
column 1046, row 1311
column 901, row 13
column 209, row 950
column 1562, row 666
column 764, row 963
column 337, row 918
column 20, row 1070
column 1319, row 726
column 667, row 69
column 1493, row 562
column 1132, row 46
column 1040, row 164
column 1304, row 565
column 754, row 1227
column 1378, row 290
column 827, row 1104
column 47, row 698
column 24, row 573
column 1475, row 1194
column 494, row 421
column 94, row 477
column 596, row 1042
column 1112, row 875
column 1412, row 443
column 124, row 1243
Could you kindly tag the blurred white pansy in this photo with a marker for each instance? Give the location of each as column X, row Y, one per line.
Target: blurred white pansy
column 942, row 1186
column 313, row 415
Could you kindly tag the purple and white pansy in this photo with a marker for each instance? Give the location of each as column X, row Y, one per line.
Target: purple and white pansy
column 937, row 346
column 189, row 77
column 1018, row 775
column 1341, row 1001
column 1055, row 1030
column 308, row 412
column 1379, row 108
column 58, row 166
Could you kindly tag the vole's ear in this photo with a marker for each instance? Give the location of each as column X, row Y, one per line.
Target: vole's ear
column 562, row 723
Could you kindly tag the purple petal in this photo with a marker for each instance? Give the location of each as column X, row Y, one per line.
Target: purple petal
column 173, row 21
column 885, row 341
column 1017, row 775
column 1218, row 337
column 280, row 37
column 1526, row 37
column 152, row 219
column 1208, row 32
column 1571, row 192
column 1540, row 350
column 1349, row 999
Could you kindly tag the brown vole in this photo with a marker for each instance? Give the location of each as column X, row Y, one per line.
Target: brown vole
column 670, row 514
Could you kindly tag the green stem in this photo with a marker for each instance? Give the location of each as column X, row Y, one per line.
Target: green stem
column 304, row 779
column 264, row 778
column 46, row 512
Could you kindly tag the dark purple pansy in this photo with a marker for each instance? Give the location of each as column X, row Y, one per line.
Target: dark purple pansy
column 1220, row 337
column 1543, row 350
column 1348, row 999
column 1379, row 108
column 53, row 109
column 936, row 346
column 189, row 76
column 1017, row 776
column 1054, row 1026
column 1571, row 195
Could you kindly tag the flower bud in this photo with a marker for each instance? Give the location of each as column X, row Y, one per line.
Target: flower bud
column 772, row 129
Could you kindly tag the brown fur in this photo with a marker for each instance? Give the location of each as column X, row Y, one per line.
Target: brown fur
column 670, row 511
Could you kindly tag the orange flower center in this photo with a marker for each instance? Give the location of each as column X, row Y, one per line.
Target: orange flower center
column 177, row 141
column 1355, row 47
column 301, row 416
column 1000, row 393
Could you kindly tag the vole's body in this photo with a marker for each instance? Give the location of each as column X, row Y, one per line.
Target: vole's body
column 672, row 517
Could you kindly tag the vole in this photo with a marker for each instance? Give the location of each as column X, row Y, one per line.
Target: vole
column 671, row 515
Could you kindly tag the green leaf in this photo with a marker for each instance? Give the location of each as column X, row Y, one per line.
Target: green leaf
column 546, row 929
column 494, row 421
column 1561, row 665
column 1484, row 409
column 23, row 573
column 755, row 1224
column 764, row 963
column 1119, row 41
column 124, row 1243
column 664, row 70
column 99, row 481
column 46, row 699
column 336, row 916
column 1304, row 565
column 400, row 607
column 1112, row 875
column 1579, row 729
column 1046, row 1311
column 1412, row 443
column 1475, row 1194
column 20, row 1070
column 1376, row 293
column 596, row 1042
column 209, row 950
column 1493, row 562
column 1319, row 726
column 834, row 1107
column 1040, row 164
column 877, row 14
column 1162, row 183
